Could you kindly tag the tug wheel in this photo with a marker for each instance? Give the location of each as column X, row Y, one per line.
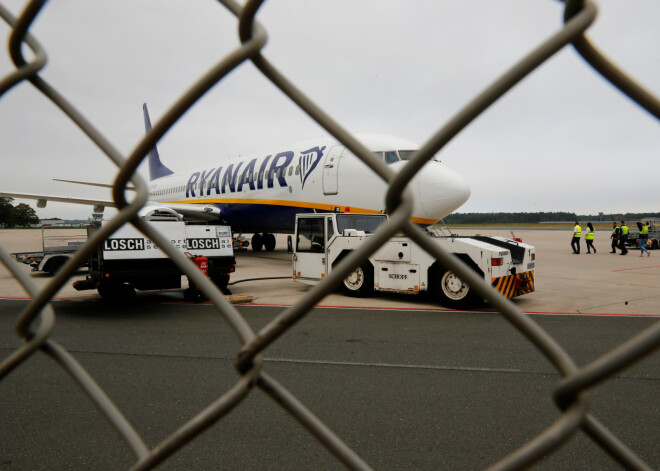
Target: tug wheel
column 453, row 292
column 359, row 282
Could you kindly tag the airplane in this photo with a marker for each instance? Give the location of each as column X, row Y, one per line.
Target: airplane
column 261, row 194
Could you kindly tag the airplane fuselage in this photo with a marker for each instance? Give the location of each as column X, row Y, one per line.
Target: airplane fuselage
column 263, row 193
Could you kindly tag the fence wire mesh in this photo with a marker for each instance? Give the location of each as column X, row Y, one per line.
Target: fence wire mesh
column 35, row 325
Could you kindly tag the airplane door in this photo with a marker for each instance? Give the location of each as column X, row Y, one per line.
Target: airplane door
column 330, row 170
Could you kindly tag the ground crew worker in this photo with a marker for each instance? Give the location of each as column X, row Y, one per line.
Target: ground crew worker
column 643, row 238
column 623, row 239
column 616, row 233
column 589, row 238
column 575, row 240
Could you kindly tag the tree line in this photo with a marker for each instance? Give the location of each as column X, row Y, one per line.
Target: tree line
column 21, row 215
column 521, row 218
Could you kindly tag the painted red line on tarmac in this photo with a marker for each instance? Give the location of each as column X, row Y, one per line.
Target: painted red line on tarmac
column 54, row 299
column 640, row 268
column 550, row 313
column 604, row 314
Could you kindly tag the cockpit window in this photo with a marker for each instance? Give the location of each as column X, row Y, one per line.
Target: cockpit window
column 391, row 157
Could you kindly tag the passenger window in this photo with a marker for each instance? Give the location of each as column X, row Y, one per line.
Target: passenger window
column 290, row 171
column 297, row 169
column 310, row 235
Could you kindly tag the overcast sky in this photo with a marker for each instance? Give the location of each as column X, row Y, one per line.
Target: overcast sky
column 562, row 140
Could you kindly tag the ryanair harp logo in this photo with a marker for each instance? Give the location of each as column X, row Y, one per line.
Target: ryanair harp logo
column 308, row 161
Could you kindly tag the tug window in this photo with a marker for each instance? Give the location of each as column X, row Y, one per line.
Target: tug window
column 310, row 235
column 361, row 222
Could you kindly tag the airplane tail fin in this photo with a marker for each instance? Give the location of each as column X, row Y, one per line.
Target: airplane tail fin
column 156, row 168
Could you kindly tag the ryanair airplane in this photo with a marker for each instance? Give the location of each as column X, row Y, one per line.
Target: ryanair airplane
column 261, row 194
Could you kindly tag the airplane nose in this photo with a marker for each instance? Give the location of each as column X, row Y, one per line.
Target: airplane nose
column 441, row 190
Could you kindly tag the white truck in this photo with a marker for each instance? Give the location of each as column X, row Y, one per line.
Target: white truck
column 321, row 241
column 57, row 246
column 128, row 260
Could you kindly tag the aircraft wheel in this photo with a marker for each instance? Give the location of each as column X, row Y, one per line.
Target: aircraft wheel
column 455, row 293
column 269, row 242
column 257, row 242
column 359, row 282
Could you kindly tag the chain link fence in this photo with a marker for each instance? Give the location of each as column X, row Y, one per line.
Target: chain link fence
column 36, row 323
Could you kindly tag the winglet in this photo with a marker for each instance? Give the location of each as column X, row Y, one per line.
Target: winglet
column 156, row 168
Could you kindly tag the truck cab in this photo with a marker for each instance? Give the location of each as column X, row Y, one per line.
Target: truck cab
column 315, row 236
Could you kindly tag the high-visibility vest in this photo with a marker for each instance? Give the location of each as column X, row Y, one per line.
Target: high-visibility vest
column 578, row 231
column 645, row 230
column 624, row 229
column 590, row 234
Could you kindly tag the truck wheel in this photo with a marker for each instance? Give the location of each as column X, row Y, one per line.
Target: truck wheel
column 654, row 245
column 359, row 282
column 54, row 265
column 193, row 295
column 221, row 281
column 257, row 242
column 455, row 293
column 126, row 292
column 106, row 290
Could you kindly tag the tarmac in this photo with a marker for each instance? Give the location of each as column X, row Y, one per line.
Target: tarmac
column 597, row 283
column 406, row 383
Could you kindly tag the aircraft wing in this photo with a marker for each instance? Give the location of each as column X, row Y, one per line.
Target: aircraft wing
column 102, row 185
column 43, row 199
column 192, row 211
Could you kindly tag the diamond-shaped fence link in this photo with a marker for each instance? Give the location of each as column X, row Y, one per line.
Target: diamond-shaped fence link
column 36, row 323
